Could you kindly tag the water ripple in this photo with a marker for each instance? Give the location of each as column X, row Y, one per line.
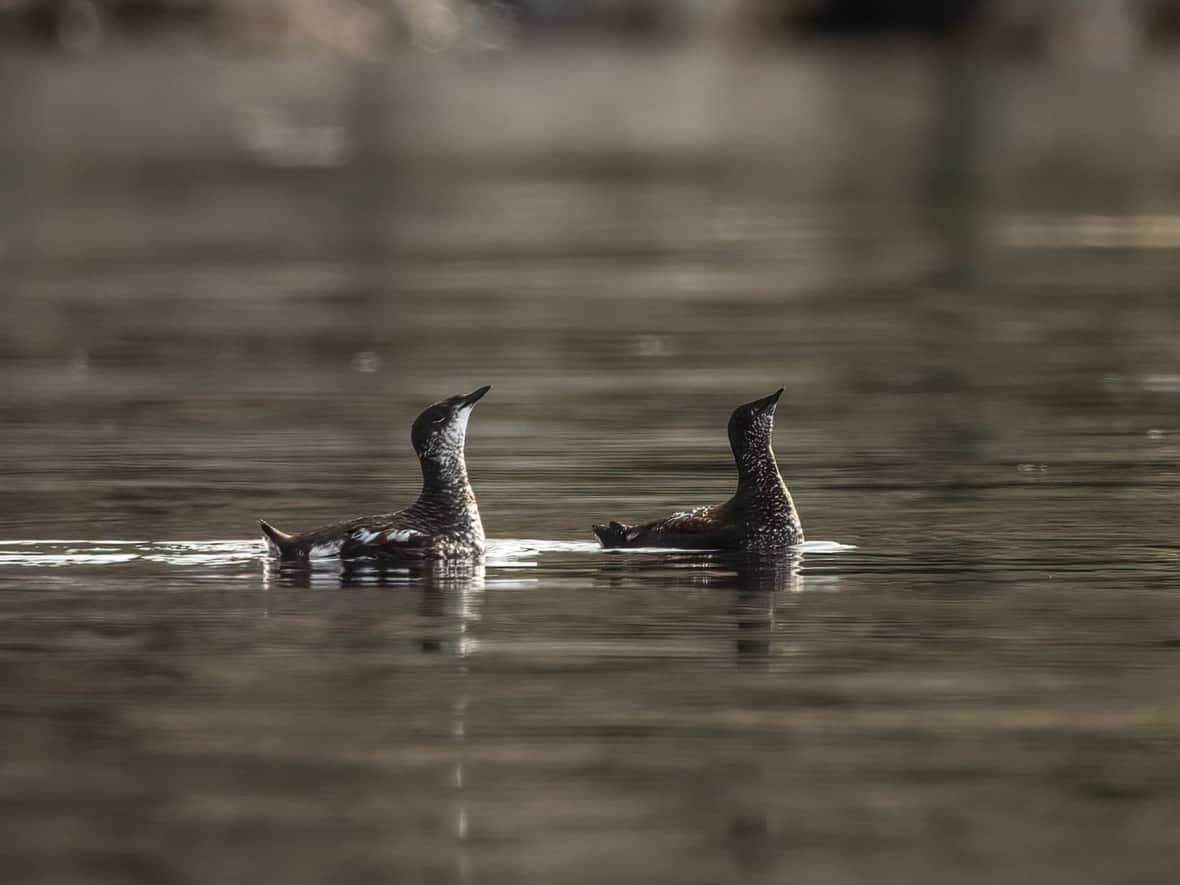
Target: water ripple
column 501, row 553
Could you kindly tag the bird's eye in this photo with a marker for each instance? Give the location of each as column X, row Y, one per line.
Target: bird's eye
column 438, row 418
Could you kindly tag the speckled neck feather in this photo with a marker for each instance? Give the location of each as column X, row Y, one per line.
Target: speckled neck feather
column 762, row 497
column 447, row 501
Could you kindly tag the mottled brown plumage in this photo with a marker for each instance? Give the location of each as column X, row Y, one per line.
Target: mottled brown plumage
column 761, row 515
column 443, row 523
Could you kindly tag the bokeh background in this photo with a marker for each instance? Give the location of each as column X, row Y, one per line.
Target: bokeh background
column 244, row 242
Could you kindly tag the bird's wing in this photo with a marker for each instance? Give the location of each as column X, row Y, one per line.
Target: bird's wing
column 704, row 527
column 387, row 543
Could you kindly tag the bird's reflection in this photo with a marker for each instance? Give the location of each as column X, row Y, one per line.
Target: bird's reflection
column 447, row 598
column 757, row 582
column 449, row 603
column 757, row 587
column 440, row 575
column 450, row 591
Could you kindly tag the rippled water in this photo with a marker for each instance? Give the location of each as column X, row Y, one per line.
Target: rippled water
column 233, row 306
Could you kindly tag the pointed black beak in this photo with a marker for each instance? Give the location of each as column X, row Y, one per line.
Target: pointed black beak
column 475, row 396
column 767, row 403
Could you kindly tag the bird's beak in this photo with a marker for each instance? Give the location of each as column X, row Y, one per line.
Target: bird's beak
column 767, row 403
column 475, row 396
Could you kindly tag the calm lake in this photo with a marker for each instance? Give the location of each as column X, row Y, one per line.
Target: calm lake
column 229, row 283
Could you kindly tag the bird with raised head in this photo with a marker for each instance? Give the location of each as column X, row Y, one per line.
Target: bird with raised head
column 760, row 517
column 442, row 524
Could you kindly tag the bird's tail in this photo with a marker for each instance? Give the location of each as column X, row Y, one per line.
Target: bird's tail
column 613, row 534
column 278, row 542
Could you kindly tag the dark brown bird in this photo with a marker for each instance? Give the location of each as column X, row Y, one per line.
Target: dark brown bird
column 442, row 524
column 760, row 517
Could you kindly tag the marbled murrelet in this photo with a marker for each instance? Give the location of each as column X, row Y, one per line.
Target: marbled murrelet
column 442, row 524
column 760, row 517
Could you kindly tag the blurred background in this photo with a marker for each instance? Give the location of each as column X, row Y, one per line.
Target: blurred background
column 244, row 242
column 1087, row 29
column 241, row 243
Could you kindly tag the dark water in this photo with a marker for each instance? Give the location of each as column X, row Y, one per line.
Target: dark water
column 230, row 284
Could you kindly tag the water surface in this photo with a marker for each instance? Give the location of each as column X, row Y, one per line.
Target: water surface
column 230, row 284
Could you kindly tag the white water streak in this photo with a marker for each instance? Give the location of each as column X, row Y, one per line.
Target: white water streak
column 504, row 553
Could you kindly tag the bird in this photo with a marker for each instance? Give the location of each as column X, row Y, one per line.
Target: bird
column 443, row 523
column 760, row 517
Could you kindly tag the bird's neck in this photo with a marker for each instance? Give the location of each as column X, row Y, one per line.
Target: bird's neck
column 758, row 472
column 442, row 476
column 446, row 492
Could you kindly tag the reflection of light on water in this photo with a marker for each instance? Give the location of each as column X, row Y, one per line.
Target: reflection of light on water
column 504, row 557
column 275, row 140
column 470, row 598
column 54, row 553
column 1089, row 232
column 511, row 584
column 502, row 554
column 824, row 547
column 805, row 547
column 468, row 612
column 76, row 558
